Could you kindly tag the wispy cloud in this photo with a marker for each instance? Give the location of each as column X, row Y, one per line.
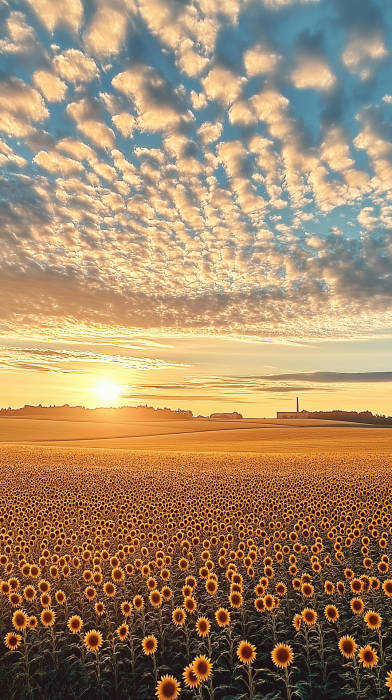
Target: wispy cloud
column 47, row 360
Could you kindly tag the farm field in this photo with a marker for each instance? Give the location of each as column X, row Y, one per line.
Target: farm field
column 248, row 435
column 134, row 574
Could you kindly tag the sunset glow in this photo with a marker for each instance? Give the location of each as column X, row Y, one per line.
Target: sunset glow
column 107, row 392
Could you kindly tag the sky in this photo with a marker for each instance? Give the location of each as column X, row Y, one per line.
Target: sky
column 196, row 204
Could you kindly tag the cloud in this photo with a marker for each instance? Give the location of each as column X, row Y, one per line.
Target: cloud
column 222, row 85
column 313, row 74
column 209, row 132
column 86, row 113
column 54, row 163
column 22, row 39
column 362, row 51
column 107, row 31
column 258, row 61
column 68, row 13
column 49, row 360
column 75, row 67
column 332, row 377
column 20, row 107
column 52, row 88
column 159, row 105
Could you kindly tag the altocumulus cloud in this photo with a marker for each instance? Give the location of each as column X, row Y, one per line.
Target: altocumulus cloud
column 197, row 167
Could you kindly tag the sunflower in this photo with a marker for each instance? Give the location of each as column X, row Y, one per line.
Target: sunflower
column 356, row 585
column 32, row 622
column 235, row 599
column 357, row 605
column 202, row 667
column 297, row 620
column 60, row 597
column 246, row 652
column 373, row 620
column 388, row 681
column 329, row 587
column 190, row 604
column 92, row 640
column 151, row 584
column 282, row 655
column 190, row 679
column 48, row 617
column 46, row 600
column 269, row 602
column 280, row 589
column 307, row 590
column 117, row 574
column 178, row 617
column 30, row 593
column 331, row 613
column 202, row 626
column 166, row 592
column 126, row 608
column 75, row 624
column 211, row 586
column 155, row 599
column 340, row 587
column 149, row 644
column 122, row 631
column 191, row 581
column 222, row 616
column 309, row 616
column 99, row 608
column 259, row 604
column 12, row 640
column 15, row 599
column 44, row 586
column 90, row 593
column 19, row 620
column 368, row 657
column 109, row 589
column 138, row 602
column 387, row 588
column 168, row 688
column 5, row 588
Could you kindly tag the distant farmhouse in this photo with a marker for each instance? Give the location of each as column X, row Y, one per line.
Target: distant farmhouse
column 226, row 416
column 292, row 414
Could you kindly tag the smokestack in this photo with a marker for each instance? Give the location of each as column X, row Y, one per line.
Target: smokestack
column 297, row 405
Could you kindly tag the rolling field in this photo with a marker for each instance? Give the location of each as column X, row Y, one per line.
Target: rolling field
column 252, row 435
column 226, row 568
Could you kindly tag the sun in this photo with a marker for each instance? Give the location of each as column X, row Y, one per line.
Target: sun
column 107, row 390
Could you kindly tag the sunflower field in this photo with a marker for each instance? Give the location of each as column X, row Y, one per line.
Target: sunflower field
column 135, row 575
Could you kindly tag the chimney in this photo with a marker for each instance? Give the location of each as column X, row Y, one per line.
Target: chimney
column 297, row 405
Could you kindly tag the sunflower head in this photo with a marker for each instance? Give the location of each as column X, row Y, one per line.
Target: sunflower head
column 168, row 688
column 202, row 627
column 75, row 624
column 178, row 616
column 122, row 631
column 93, row 640
column 149, row 644
column 347, row 647
column 12, row 640
column 331, row 613
column 373, row 620
column 282, row 655
column 309, row 616
column 47, row 617
column 246, row 652
column 367, row 657
column 190, row 679
column 202, row 667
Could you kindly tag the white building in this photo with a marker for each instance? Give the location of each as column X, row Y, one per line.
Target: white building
column 292, row 414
